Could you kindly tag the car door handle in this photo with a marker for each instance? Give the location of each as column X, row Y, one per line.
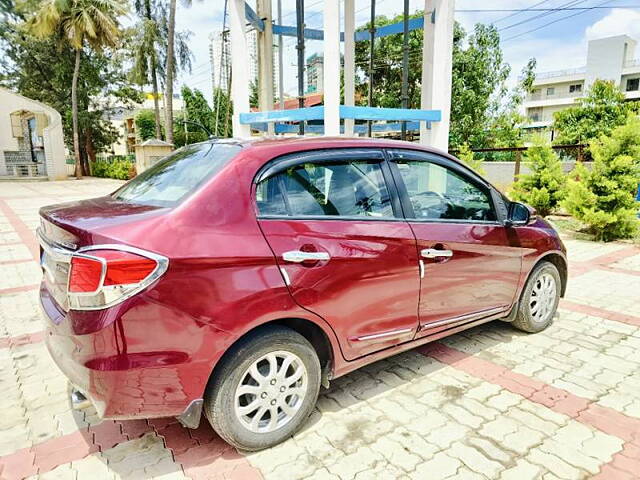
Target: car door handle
column 297, row 256
column 433, row 253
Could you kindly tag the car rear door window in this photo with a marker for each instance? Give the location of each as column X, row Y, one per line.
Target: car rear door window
column 344, row 189
column 439, row 193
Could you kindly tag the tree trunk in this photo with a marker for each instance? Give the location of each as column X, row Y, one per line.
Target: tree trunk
column 74, row 115
column 168, row 96
column 154, row 77
column 156, row 104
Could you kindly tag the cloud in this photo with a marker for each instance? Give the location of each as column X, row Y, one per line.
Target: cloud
column 617, row 22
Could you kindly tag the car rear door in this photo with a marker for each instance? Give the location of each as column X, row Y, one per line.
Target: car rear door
column 334, row 223
column 470, row 267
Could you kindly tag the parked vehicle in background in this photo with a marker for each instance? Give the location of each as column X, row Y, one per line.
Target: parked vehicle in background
column 234, row 278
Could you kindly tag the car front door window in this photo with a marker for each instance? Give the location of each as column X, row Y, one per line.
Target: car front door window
column 439, row 193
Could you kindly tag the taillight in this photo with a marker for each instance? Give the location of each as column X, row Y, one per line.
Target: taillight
column 101, row 277
column 85, row 275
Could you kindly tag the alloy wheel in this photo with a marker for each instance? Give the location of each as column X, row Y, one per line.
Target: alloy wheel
column 271, row 392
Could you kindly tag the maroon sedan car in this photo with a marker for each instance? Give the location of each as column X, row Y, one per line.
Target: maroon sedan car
column 233, row 278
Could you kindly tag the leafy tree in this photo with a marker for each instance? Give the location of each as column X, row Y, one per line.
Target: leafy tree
column 253, row 94
column 602, row 109
column 223, row 111
column 148, row 45
column 196, row 110
column 78, row 23
column 144, row 45
column 544, row 187
column 145, row 125
column 604, row 198
column 478, row 88
column 466, row 155
column 478, row 84
column 42, row 69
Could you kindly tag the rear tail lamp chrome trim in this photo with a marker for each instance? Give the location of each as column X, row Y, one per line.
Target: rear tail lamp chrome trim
column 106, row 294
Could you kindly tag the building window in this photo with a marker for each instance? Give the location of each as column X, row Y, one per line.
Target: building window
column 577, row 88
column 551, row 91
column 633, row 84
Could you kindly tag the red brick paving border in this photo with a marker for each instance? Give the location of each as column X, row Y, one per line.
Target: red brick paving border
column 600, row 312
column 22, row 288
column 24, row 232
column 624, row 464
column 6, row 342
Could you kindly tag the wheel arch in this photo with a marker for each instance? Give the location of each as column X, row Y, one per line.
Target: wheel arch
column 560, row 262
column 310, row 330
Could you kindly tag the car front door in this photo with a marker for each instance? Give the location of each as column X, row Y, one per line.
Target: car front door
column 469, row 267
column 334, row 223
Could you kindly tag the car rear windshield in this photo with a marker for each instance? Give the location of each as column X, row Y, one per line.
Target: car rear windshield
column 173, row 178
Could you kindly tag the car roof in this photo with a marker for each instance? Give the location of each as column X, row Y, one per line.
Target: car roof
column 282, row 145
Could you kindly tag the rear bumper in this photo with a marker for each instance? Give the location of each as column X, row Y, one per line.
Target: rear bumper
column 138, row 364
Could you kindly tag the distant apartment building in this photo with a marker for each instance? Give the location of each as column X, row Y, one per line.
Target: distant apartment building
column 610, row 58
column 220, row 59
column 315, row 73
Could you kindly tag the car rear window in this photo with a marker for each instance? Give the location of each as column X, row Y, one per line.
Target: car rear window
column 173, row 178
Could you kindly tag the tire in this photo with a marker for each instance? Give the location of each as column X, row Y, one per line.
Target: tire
column 529, row 318
column 223, row 408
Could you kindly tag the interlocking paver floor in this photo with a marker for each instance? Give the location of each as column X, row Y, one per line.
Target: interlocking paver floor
column 490, row 402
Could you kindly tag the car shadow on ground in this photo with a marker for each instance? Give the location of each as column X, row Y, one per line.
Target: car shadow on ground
column 163, row 445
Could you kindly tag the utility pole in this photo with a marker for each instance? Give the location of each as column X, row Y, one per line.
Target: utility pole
column 349, row 62
column 405, row 66
column 300, row 48
column 280, row 60
column 372, row 38
column 265, row 61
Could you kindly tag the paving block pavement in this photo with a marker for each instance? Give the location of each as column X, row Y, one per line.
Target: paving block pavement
column 487, row 403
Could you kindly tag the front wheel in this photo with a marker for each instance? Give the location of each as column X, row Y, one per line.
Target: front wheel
column 539, row 300
column 264, row 389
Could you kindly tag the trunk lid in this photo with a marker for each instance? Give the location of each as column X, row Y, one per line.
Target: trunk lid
column 66, row 227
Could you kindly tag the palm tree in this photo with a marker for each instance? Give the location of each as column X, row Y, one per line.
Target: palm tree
column 78, row 22
column 145, row 60
column 173, row 40
column 168, row 96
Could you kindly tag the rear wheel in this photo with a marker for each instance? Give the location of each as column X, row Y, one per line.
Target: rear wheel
column 264, row 389
column 539, row 300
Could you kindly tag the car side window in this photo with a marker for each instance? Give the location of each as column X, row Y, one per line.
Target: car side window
column 439, row 193
column 350, row 189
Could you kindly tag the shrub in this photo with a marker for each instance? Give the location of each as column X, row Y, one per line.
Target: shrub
column 466, row 155
column 118, row 169
column 145, row 125
column 604, row 198
column 544, row 187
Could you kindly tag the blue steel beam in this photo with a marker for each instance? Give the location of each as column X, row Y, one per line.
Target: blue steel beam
column 394, row 114
column 357, row 113
column 253, row 18
column 314, row 34
column 294, row 115
column 383, row 127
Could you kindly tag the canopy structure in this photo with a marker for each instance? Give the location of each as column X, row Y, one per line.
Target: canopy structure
column 338, row 117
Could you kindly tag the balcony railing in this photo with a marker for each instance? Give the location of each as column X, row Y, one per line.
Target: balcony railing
column 559, row 73
column 553, row 96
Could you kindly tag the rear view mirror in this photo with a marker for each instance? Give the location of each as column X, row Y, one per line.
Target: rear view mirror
column 519, row 215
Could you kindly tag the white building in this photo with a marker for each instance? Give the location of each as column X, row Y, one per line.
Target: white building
column 220, row 60
column 610, row 58
column 31, row 138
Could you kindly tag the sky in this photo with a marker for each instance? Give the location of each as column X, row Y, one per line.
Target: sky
column 558, row 39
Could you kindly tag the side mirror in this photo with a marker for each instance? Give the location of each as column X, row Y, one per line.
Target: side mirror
column 519, row 215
